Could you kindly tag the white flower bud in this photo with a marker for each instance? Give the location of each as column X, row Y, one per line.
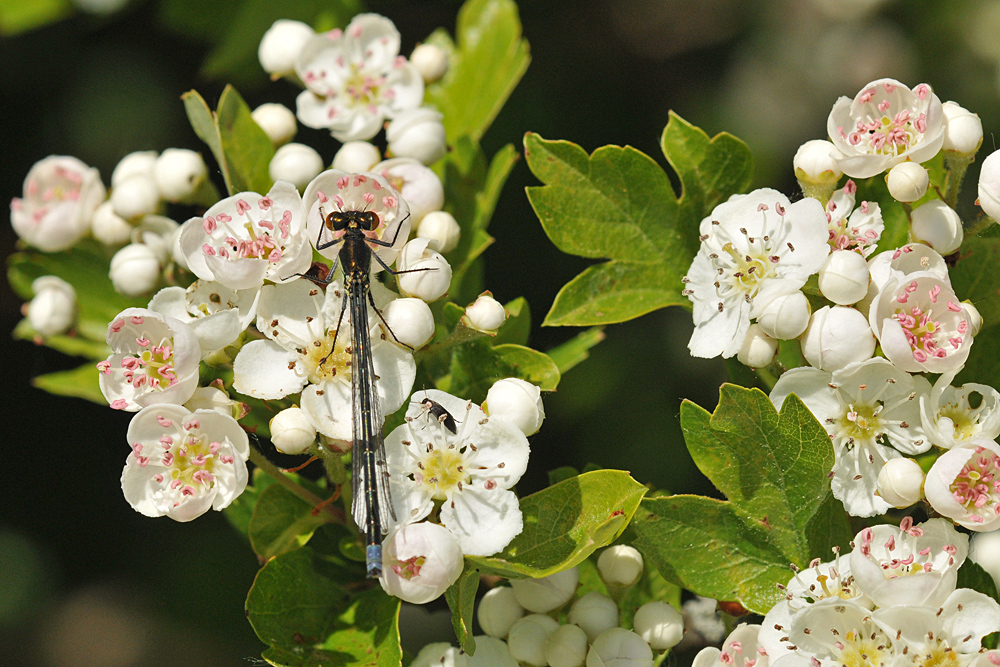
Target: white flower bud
column 491, row 652
column 440, row 654
column 619, row 647
column 844, row 277
column 499, row 611
column 437, row 550
column 355, row 157
column 277, row 121
column 135, row 196
column 430, row 60
column 135, row 270
column 53, row 309
column 989, row 185
column 527, row 638
column 280, row 46
column 985, row 552
column 936, row 224
column 816, row 170
column 836, row 337
column 428, row 284
column 974, row 318
column 907, row 182
column 547, row 593
column 108, row 227
column 411, row 321
column 659, row 624
column 417, row 133
column 485, row 314
column 963, row 130
column 213, row 398
column 567, row 647
column 595, row 613
column 620, row 565
column 442, row 229
column 139, row 163
column 179, row 173
column 786, row 316
column 520, row 403
column 296, row 163
column 900, row 482
column 758, row 349
column 292, row 432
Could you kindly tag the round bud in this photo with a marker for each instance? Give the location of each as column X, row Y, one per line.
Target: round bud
column 659, row 624
column 135, row 197
column 433, row 277
column 937, row 225
column 355, row 157
column 963, row 130
column 520, row 403
column 441, row 654
column 491, row 652
column 179, row 173
column 786, row 316
column 296, row 163
column 620, row 565
column 417, row 133
column 499, row 611
column 816, row 170
column 567, row 647
column 548, row 593
column 135, row 270
column 139, row 163
column 844, row 277
column 416, row 183
column 292, row 432
column 430, row 60
column 420, row 561
column 52, row 311
column 900, row 482
column 485, row 314
column 108, row 227
column 907, row 182
column 527, row 638
column 280, row 46
column 989, row 185
column 974, row 318
column 619, row 647
column 277, row 121
column 213, row 398
column 594, row 613
column 411, row 321
column 837, row 336
column 985, row 552
column 442, row 229
column 758, row 349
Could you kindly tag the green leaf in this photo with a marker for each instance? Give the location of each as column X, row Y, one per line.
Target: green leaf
column 461, row 598
column 476, row 366
column 975, row 279
column 18, row 16
column 567, row 522
column 972, row 575
column 483, row 68
column 74, row 346
column 773, row 469
column 282, row 521
column 79, row 382
column 576, row 349
column 517, row 327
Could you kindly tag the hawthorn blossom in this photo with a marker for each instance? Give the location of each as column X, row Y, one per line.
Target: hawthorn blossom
column 415, row 182
column 419, row 562
column 154, row 359
column 964, row 485
column 183, row 463
column 355, row 79
column 907, row 259
column 754, row 248
column 216, row 314
column 852, row 228
column 832, row 633
column 885, row 124
column 740, row 649
column 949, row 418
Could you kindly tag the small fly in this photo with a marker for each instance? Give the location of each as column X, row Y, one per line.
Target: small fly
column 440, row 413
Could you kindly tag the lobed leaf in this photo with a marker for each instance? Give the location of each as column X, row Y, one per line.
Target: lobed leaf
column 475, row 366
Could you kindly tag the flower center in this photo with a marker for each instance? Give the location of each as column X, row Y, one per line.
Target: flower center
column 977, row 486
column 326, row 362
column 407, row 569
column 923, row 332
column 863, row 649
column 861, row 422
column 888, row 135
column 965, row 427
column 363, row 88
column 443, row 471
column 152, row 367
column 259, row 240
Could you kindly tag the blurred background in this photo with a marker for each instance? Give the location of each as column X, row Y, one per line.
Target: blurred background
column 84, row 580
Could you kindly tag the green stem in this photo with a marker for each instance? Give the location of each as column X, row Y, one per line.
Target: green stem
column 259, row 460
column 981, row 224
column 955, row 166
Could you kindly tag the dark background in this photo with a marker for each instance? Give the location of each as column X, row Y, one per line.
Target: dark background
column 84, row 580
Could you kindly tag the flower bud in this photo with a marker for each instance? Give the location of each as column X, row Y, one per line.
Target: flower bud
column 547, row 593
column 420, row 561
column 411, row 321
column 758, row 349
column 963, row 130
column 433, row 279
column 416, row 183
column 135, row 270
column 527, row 638
column 900, row 481
column 179, row 173
column 984, row 551
column 440, row 654
column 619, row 647
column 844, row 277
column 442, row 229
column 280, row 46
column 213, row 398
column 417, row 133
column 277, row 121
column 620, row 565
column 566, row 647
column 490, row 652
column 292, row 432
column 140, row 163
column 974, row 318
column 296, row 163
column 430, row 60
column 355, row 157
column 499, row 611
column 837, row 336
column 520, row 403
column 907, row 182
column 659, row 624
column 815, row 170
column 937, row 225
column 108, row 227
column 485, row 314
column 53, row 309
column 594, row 613
column 785, row 317
column 135, row 196
column 989, row 185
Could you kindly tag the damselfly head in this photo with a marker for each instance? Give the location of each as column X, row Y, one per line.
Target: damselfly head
column 341, row 220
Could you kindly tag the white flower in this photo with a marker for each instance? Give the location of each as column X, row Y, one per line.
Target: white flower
column 416, row 184
column 517, row 401
column 885, row 124
column 499, row 611
column 355, row 79
column 470, row 471
column 815, row 168
column 938, row 225
column 545, row 594
column 52, row 311
column 832, row 633
column 296, row 163
column 907, row 182
column 154, row 359
column 216, row 314
column 60, row 196
column 595, row 613
column 135, row 269
column 907, row 259
column 618, row 647
column 139, row 163
column 984, row 551
column 740, row 649
column 754, row 248
column 184, row 462
column 844, row 277
column 527, row 639
column 108, row 227
column 355, row 157
column 949, row 418
column 423, row 272
column 853, row 228
column 786, row 317
column 277, row 121
column 136, row 196
column 419, row 562
column 410, row 321
column 417, row 133
column 441, row 654
column 281, row 45
column 442, row 229
column 989, row 185
column 758, row 349
column 862, row 406
column 247, row 238
column 964, row 485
